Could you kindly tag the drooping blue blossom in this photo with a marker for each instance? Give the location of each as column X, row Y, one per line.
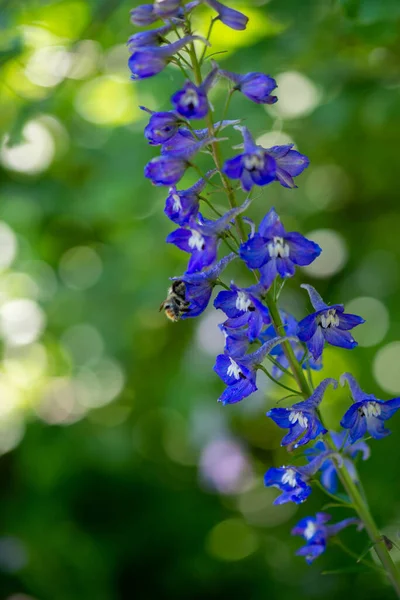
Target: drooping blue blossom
column 367, row 413
column 230, row 17
column 162, row 126
column 244, row 308
column 146, row 14
column 290, row 325
column 191, row 101
column 154, row 37
column 317, row 533
column 302, row 418
column 184, row 138
column 150, row 60
column 170, row 167
column 199, row 286
column 294, row 481
column 349, row 451
column 182, row 205
column 239, row 373
column 201, row 239
column 327, row 324
column 167, row 8
column 277, row 252
column 143, row 15
column 258, row 87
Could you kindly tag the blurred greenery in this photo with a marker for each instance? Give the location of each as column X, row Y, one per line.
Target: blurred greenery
column 121, row 477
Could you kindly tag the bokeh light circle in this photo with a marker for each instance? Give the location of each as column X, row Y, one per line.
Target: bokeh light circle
column 231, row 540
column 298, row 95
column 386, row 368
column 21, row 321
column 376, row 318
column 8, row 245
column 34, row 154
column 333, row 256
column 80, row 268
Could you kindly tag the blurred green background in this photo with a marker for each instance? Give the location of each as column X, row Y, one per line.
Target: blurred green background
column 121, row 477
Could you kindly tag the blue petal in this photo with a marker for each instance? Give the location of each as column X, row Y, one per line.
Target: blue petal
column 268, row 272
column 376, row 428
column 315, row 298
column 233, row 168
column 254, row 252
column 302, row 251
column 389, row 408
column 285, row 267
column 238, row 391
column 338, row 337
column 329, row 478
column 347, row 321
column 271, row 225
column 307, row 328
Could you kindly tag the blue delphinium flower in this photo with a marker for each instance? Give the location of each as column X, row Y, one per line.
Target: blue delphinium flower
column 294, row 481
column 349, row 451
column 302, row 418
column 277, row 252
column 316, row 533
column 182, row 205
column 143, row 15
column 236, row 340
column 199, row 286
column 244, row 309
column 258, row 87
column 148, row 61
column 169, row 168
column 146, row 14
column 167, row 8
column 239, row 373
column 230, row 17
column 290, row 325
column 289, row 163
column 367, row 413
column 191, row 101
column 184, row 138
column 327, row 324
column 201, row 239
column 161, row 127
column 154, row 37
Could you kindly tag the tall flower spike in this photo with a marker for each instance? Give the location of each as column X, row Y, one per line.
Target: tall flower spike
column 256, row 86
column 316, row 533
column 302, row 418
column 182, row 205
column 147, row 62
column 277, row 252
column 199, row 286
column 169, row 168
column 367, row 413
column 327, row 324
column 230, row 17
column 191, row 102
column 239, row 374
column 294, row 481
column 201, row 240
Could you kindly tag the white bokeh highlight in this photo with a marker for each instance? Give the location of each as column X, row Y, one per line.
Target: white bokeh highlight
column 333, row 256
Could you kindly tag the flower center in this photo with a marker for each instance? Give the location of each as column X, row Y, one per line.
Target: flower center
column 298, row 417
column 278, row 248
column 328, row 319
column 370, row 409
column 190, row 99
column 177, row 203
column 243, row 302
column 234, row 369
column 289, row 477
column 196, row 240
column 310, row 530
column 253, row 162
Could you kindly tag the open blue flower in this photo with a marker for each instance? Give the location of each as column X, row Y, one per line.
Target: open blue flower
column 258, row 87
column 148, row 61
column 289, row 163
column 317, row 533
column 294, row 481
column 367, row 413
column 302, row 418
column 244, row 309
column 201, row 239
column 327, row 324
column 182, row 205
column 199, row 286
column 170, row 167
column 230, row 17
column 239, row 374
column 275, row 251
column 349, row 451
column 191, row 102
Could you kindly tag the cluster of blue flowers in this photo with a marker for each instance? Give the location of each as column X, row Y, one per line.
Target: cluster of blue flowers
column 254, row 332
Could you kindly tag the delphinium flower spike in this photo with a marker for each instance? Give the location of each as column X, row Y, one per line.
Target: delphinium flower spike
column 302, row 418
column 316, row 532
column 327, row 324
column 367, row 413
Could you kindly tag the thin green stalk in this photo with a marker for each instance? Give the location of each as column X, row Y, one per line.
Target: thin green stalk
column 268, row 374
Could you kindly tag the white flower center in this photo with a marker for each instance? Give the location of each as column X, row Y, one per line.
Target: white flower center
column 196, row 240
column 298, row 417
column 310, row 530
column 370, row 409
column 190, row 98
column 242, row 301
column 234, row 369
column 328, row 319
column 253, row 162
column 289, row 477
column 177, row 203
column 278, row 248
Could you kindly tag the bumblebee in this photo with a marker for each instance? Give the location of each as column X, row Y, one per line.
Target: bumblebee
column 175, row 305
